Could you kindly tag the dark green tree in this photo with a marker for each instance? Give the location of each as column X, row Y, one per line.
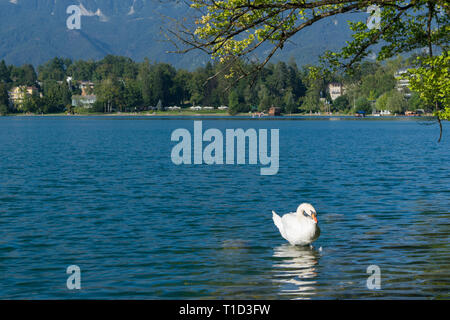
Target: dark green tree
column 54, row 69
column 24, row 75
column 362, row 104
column 289, row 103
column 341, row 104
column 4, row 72
column 32, row 103
column 233, row 102
column 56, row 96
column 82, row 70
column 4, row 99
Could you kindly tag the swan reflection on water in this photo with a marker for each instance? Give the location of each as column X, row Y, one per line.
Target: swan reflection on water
column 295, row 270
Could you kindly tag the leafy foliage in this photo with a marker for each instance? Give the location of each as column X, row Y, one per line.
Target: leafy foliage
column 231, row 29
column 432, row 80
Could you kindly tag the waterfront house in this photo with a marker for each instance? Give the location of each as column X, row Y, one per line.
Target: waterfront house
column 17, row 94
column 274, row 111
column 87, row 88
column 336, row 90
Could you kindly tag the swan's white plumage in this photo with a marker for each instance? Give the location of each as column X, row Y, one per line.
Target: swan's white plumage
column 298, row 228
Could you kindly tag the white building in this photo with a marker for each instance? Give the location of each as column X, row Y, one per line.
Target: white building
column 402, row 84
column 336, row 90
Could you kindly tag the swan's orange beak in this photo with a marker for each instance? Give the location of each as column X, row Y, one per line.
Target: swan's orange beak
column 314, row 216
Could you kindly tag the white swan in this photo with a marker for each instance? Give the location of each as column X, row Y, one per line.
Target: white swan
column 299, row 228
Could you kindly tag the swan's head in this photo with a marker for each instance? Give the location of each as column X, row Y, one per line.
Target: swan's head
column 308, row 211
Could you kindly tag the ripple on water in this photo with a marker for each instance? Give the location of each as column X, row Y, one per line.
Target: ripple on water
column 103, row 194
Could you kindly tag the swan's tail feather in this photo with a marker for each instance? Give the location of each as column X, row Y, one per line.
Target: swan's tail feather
column 277, row 220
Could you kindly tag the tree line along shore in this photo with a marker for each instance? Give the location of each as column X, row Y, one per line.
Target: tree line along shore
column 118, row 84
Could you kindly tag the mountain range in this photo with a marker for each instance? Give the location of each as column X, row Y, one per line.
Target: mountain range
column 34, row 31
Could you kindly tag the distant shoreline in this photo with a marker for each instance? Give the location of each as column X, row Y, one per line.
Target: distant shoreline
column 224, row 115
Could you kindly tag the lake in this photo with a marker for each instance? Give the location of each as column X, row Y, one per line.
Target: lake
column 102, row 193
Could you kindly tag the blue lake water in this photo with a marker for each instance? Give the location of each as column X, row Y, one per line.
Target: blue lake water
column 103, row 194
